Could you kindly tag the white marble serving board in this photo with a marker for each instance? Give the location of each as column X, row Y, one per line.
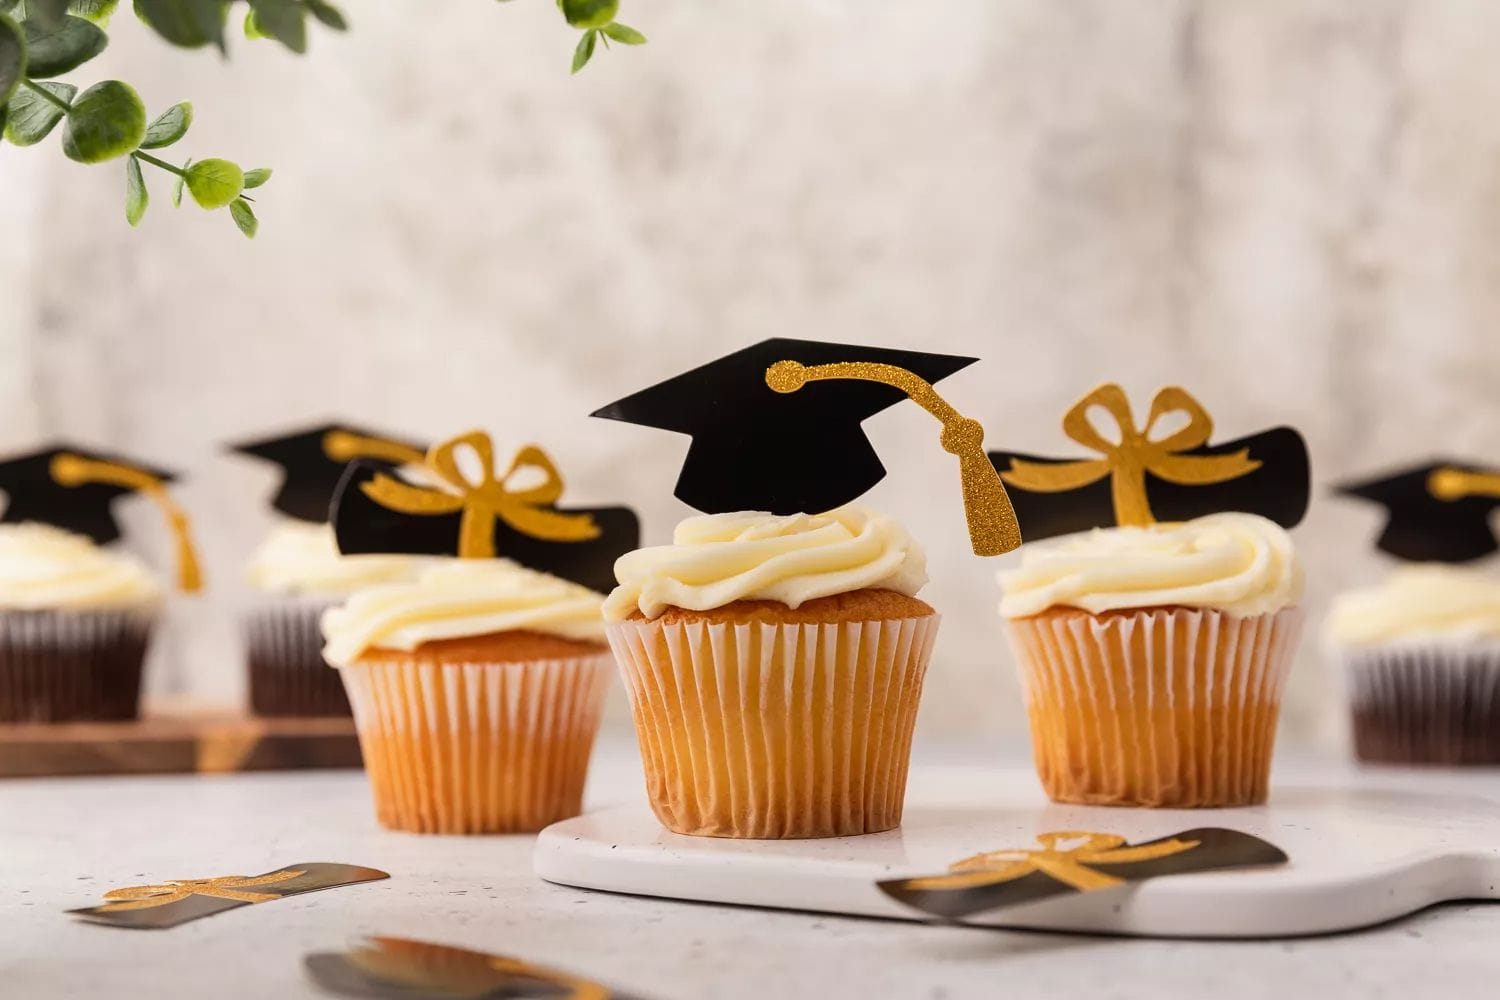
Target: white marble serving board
column 1365, row 847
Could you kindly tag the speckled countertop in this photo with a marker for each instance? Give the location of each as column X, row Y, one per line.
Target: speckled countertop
column 63, row 842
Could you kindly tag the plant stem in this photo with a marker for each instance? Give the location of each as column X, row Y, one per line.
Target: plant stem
column 158, row 163
column 49, row 96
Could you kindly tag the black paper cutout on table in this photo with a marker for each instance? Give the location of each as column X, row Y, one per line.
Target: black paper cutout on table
column 375, row 510
column 777, row 427
column 34, row 493
column 313, row 460
column 1136, row 479
column 403, row 969
column 1071, row 862
column 1438, row 512
column 176, row 901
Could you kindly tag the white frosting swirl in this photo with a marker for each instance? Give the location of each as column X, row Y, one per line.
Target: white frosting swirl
column 1419, row 602
column 1240, row 564
column 299, row 558
column 46, row 567
column 717, row 559
column 457, row 598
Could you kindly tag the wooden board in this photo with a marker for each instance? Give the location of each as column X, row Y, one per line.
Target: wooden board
column 1365, row 847
column 177, row 743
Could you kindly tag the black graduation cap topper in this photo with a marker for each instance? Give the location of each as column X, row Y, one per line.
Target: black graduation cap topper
column 375, row 510
column 1437, row 512
column 1140, row 479
column 776, row 427
column 313, row 461
column 1075, row 862
column 74, row 488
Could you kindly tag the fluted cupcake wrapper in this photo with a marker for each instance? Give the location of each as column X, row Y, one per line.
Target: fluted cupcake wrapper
column 772, row 731
column 1426, row 702
column 72, row 666
column 284, row 655
column 477, row 747
column 1162, row 707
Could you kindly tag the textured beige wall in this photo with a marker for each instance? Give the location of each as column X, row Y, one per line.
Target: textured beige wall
column 1291, row 208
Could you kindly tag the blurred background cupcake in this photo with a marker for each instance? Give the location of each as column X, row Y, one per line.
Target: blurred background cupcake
column 75, row 617
column 1153, row 654
column 1420, row 652
column 476, row 686
column 297, row 571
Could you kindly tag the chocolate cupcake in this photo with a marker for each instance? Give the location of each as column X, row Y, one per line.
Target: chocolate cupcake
column 1421, row 656
column 298, row 574
column 75, row 621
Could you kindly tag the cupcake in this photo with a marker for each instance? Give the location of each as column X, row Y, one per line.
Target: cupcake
column 75, row 619
column 1152, row 659
column 774, row 665
column 75, row 616
column 298, row 573
column 1421, row 654
column 477, row 686
column 476, row 690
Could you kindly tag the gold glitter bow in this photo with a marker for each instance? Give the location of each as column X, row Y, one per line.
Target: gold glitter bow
column 1455, row 484
column 1128, row 460
column 993, row 528
column 75, row 470
column 142, row 897
column 1069, row 866
column 484, row 501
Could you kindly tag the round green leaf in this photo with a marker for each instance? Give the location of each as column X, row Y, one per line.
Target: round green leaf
column 589, row 13
column 188, row 23
column 12, row 57
column 171, row 125
column 107, row 120
column 32, row 116
column 215, row 183
column 56, row 50
column 136, row 198
column 98, row 11
column 244, row 217
column 283, row 20
column 327, row 13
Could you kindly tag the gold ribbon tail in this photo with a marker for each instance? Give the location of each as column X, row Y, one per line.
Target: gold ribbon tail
column 1449, row 483
column 993, row 528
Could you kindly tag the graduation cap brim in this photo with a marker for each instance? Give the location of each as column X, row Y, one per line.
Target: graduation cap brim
column 1278, row 489
column 309, row 475
column 754, row 448
column 32, row 494
column 1421, row 527
column 363, row 526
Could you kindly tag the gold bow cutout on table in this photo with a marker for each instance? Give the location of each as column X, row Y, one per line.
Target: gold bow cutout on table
column 142, row 897
column 1449, row 483
column 1127, row 460
column 1067, row 865
column 488, row 499
column 68, row 469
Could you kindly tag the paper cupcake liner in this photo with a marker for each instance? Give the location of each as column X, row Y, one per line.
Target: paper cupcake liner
column 1426, row 703
column 1157, row 708
column 477, row 747
column 774, row 731
column 72, row 666
column 284, row 655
